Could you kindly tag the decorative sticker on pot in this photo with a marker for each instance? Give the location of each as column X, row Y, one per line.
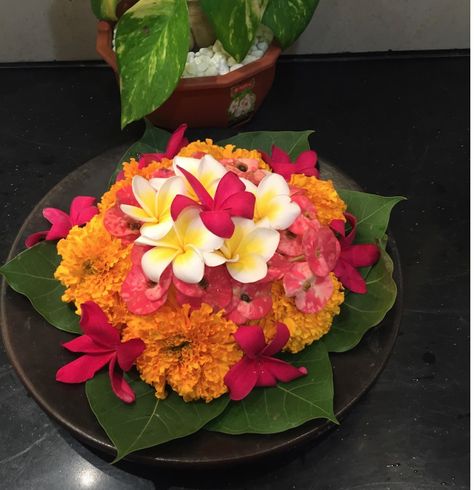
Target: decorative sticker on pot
column 243, row 100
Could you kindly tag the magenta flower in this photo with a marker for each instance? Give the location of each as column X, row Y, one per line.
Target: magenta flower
column 215, row 289
column 311, row 292
column 249, row 302
column 231, row 199
column 81, row 211
column 245, row 168
column 141, row 295
column 257, row 367
column 175, row 143
column 353, row 256
column 280, row 162
column 101, row 345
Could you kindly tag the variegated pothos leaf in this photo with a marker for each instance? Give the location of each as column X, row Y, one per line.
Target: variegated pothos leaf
column 288, row 19
column 104, row 9
column 151, row 46
column 235, row 23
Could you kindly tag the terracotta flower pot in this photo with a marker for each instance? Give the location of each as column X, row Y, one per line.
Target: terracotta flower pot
column 218, row 101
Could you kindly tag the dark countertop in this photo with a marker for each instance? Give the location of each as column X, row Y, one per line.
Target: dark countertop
column 397, row 126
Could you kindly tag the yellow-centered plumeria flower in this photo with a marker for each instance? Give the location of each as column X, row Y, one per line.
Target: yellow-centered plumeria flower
column 183, row 247
column 246, row 252
column 273, row 205
column 206, row 169
column 155, row 198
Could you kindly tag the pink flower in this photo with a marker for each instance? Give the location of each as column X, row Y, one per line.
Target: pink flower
column 321, row 249
column 353, row 256
column 231, row 199
column 117, row 223
column 81, row 211
column 311, row 293
column 141, row 295
column 215, row 289
column 280, row 162
column 175, row 143
column 249, row 302
column 101, row 345
column 246, row 168
column 257, row 367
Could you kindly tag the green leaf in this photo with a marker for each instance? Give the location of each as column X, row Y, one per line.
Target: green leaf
column 148, row 421
column 288, row 19
column 104, row 9
column 235, row 23
column 293, row 142
column 31, row 273
column 154, row 140
column 288, row 405
column 372, row 213
column 360, row 312
column 151, row 46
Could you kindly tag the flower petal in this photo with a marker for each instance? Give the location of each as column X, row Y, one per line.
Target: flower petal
column 260, row 241
column 179, row 203
column 86, row 345
column 279, row 155
column 176, row 141
column 250, row 268
column 193, row 232
column 280, row 211
column 201, row 192
column 119, row 386
column 138, row 214
column 279, row 340
column 96, row 325
column 284, row 371
column 251, row 340
column 362, row 255
column 127, row 353
column 213, row 259
column 229, row 185
column 240, row 204
column 168, row 191
column 82, row 209
column 350, row 277
column 156, row 260
column 35, row 238
column 156, row 231
column 218, row 222
column 60, row 221
column 144, row 194
column 315, row 298
column 321, row 249
column 83, row 368
column 189, row 266
column 241, row 378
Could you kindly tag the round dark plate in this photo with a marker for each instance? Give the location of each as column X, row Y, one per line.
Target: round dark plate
column 34, row 350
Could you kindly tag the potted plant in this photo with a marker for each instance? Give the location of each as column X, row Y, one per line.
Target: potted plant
column 154, row 42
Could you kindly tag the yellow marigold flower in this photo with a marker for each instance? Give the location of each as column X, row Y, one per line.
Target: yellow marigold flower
column 189, row 350
column 219, row 152
column 322, row 194
column 93, row 267
column 304, row 328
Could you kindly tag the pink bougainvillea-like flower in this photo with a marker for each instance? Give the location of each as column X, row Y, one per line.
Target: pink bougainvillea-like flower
column 353, row 256
column 257, row 367
column 231, row 199
column 321, row 249
column 215, row 289
column 117, row 223
column 81, row 211
column 280, row 162
column 311, row 292
column 101, row 345
column 249, row 302
column 175, row 143
column 245, row 168
column 141, row 295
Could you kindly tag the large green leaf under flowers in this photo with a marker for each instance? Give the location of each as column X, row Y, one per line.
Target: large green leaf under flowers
column 31, row 273
column 288, row 19
column 148, row 421
column 293, row 142
column 288, row 405
column 235, row 22
column 151, row 46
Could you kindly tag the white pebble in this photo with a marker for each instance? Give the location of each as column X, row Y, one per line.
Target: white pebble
column 231, row 61
column 257, row 53
column 223, row 70
column 248, row 59
column 262, row 46
column 236, row 67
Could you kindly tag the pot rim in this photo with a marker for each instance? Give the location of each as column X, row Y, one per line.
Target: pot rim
column 104, row 49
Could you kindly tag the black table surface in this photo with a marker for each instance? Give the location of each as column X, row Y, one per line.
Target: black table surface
column 397, row 126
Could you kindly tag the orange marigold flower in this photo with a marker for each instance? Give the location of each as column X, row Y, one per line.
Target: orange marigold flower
column 189, row 350
column 93, row 267
column 304, row 328
column 322, row 194
column 221, row 152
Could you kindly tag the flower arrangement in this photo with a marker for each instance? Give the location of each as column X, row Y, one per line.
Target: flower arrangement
column 211, row 281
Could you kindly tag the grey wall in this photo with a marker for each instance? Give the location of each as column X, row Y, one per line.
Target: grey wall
column 42, row 30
